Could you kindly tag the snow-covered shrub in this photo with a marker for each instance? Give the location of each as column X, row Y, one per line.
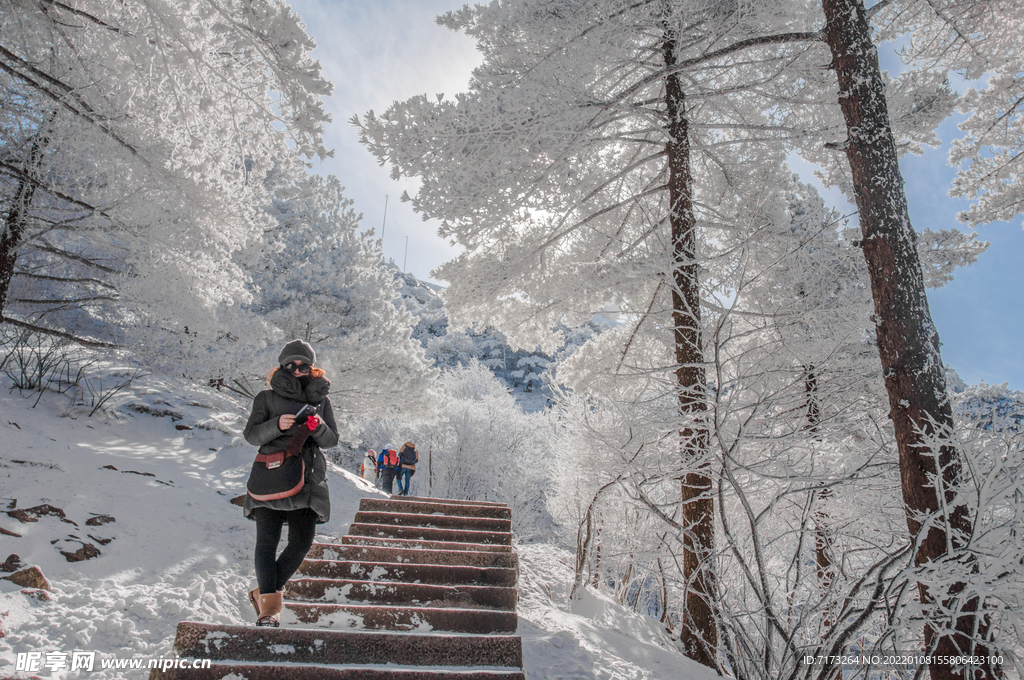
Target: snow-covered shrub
column 984, row 570
column 36, row 363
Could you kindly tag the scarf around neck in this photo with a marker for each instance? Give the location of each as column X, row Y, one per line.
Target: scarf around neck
column 289, row 387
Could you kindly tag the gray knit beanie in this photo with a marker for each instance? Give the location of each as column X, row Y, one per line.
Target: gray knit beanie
column 297, row 350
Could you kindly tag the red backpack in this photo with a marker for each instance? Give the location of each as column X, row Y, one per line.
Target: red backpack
column 389, row 458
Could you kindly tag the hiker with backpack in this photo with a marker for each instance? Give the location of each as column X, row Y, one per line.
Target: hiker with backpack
column 290, row 423
column 368, row 470
column 407, row 457
column 389, row 466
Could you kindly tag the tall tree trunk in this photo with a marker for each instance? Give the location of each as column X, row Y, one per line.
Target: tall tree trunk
column 17, row 217
column 907, row 341
column 824, row 554
column 597, row 566
column 665, row 618
column 699, row 631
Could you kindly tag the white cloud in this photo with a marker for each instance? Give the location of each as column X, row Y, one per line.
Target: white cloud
column 376, row 53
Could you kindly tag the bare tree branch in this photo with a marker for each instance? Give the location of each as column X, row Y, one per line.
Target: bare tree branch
column 62, row 279
column 45, row 6
column 17, row 172
column 73, row 301
column 86, row 113
column 59, row 334
column 44, row 246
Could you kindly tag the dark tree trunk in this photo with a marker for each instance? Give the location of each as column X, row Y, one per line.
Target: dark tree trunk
column 17, row 217
column 907, row 341
column 699, row 630
column 823, row 551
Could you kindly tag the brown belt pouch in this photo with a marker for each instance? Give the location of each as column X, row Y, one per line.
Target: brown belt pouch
column 276, row 475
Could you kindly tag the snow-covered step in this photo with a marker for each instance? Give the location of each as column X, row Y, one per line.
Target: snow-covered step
column 422, row 544
column 449, row 501
column 247, row 671
column 435, row 521
column 389, row 602
column 417, row 619
column 431, row 534
column 345, row 591
column 420, row 507
column 316, row 646
column 373, row 553
column 436, row 574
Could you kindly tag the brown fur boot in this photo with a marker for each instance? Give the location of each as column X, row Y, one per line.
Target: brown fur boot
column 254, row 599
column 270, row 609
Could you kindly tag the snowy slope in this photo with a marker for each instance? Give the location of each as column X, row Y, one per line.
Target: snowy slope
column 163, row 461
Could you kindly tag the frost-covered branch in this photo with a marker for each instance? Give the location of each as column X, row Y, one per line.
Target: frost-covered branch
column 60, row 334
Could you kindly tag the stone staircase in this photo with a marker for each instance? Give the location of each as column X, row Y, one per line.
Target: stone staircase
column 420, row 589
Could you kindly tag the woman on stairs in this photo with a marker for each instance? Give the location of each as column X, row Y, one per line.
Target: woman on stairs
column 290, row 423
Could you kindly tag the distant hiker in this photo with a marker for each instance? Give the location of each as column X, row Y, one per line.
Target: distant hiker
column 389, row 466
column 290, row 422
column 368, row 469
column 408, row 457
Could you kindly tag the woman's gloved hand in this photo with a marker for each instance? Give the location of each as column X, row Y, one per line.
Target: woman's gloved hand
column 312, row 422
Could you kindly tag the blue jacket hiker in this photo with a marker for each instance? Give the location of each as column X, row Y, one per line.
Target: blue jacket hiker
column 388, row 465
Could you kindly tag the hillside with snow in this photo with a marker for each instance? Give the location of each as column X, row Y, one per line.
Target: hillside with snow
column 141, row 489
column 526, row 372
column 685, row 335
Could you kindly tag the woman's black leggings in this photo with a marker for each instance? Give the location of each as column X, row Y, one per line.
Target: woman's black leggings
column 272, row 572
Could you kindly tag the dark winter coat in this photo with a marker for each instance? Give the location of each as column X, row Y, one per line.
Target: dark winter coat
column 287, row 395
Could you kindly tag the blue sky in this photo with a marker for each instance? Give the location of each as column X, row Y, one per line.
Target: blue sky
column 978, row 314
column 386, row 50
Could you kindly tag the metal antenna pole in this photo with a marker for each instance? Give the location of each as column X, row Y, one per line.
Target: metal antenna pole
column 384, row 224
column 406, row 260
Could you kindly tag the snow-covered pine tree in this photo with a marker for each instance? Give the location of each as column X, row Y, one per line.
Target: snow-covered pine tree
column 133, row 140
column 317, row 277
column 984, row 38
column 970, row 600
column 801, row 434
column 625, row 154
column 920, row 408
column 594, row 140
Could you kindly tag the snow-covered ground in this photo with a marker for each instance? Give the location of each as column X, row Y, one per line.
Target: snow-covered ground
column 147, row 483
